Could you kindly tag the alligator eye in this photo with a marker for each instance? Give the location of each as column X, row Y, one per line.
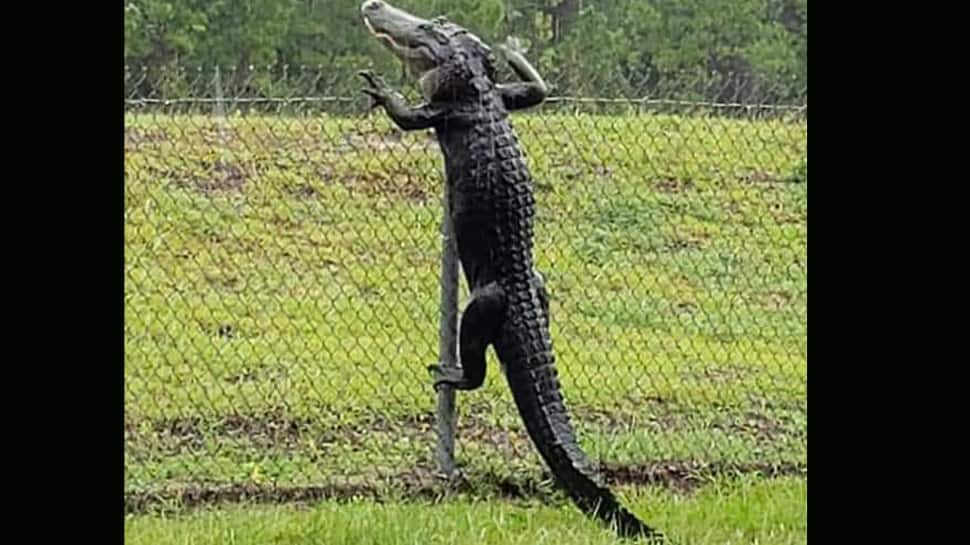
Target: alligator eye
column 374, row 5
column 441, row 19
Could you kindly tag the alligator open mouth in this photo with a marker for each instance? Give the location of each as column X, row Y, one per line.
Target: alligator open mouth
column 382, row 35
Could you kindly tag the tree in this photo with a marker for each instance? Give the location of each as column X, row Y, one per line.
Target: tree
column 721, row 49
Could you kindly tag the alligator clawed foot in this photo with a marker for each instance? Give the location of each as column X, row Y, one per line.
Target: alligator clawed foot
column 452, row 376
column 377, row 89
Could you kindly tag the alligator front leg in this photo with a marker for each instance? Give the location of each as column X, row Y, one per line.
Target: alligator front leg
column 530, row 92
column 404, row 116
column 479, row 324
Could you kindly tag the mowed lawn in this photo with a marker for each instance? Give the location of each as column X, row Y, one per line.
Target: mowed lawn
column 744, row 511
column 282, row 299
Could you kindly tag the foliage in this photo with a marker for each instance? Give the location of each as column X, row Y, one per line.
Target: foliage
column 723, row 49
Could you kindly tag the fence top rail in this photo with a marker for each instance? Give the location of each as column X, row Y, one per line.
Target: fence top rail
column 553, row 100
column 171, row 85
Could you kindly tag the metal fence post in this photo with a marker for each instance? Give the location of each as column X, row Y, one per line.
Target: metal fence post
column 448, row 341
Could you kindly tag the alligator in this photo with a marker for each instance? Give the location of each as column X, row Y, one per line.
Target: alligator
column 492, row 208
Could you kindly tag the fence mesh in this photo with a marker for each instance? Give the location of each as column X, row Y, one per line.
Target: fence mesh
column 282, row 261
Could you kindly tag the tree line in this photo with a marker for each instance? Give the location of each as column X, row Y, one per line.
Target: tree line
column 729, row 50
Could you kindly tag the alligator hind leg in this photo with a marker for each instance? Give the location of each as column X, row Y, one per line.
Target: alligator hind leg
column 479, row 324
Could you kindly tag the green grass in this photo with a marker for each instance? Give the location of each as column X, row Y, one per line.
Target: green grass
column 281, row 296
column 724, row 512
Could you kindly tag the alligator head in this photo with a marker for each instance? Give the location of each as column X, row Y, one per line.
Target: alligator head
column 448, row 60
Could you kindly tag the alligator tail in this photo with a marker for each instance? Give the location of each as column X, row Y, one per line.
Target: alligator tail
column 539, row 399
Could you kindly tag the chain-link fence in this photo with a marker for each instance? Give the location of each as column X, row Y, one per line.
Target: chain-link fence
column 282, row 265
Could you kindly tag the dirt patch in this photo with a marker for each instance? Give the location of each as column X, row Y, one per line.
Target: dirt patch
column 670, row 184
column 572, row 171
column 683, row 244
column 422, row 484
column 393, row 180
column 389, row 140
column 225, row 176
column 381, row 423
column 687, row 476
column 599, row 172
column 269, row 372
column 685, row 307
column 136, row 138
column 302, row 190
column 211, row 178
column 718, row 375
column 266, row 430
column 783, row 216
column 759, row 425
column 418, row 484
column 764, row 427
column 757, row 177
column 774, row 299
column 274, row 430
column 613, row 422
column 760, row 177
column 513, row 444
